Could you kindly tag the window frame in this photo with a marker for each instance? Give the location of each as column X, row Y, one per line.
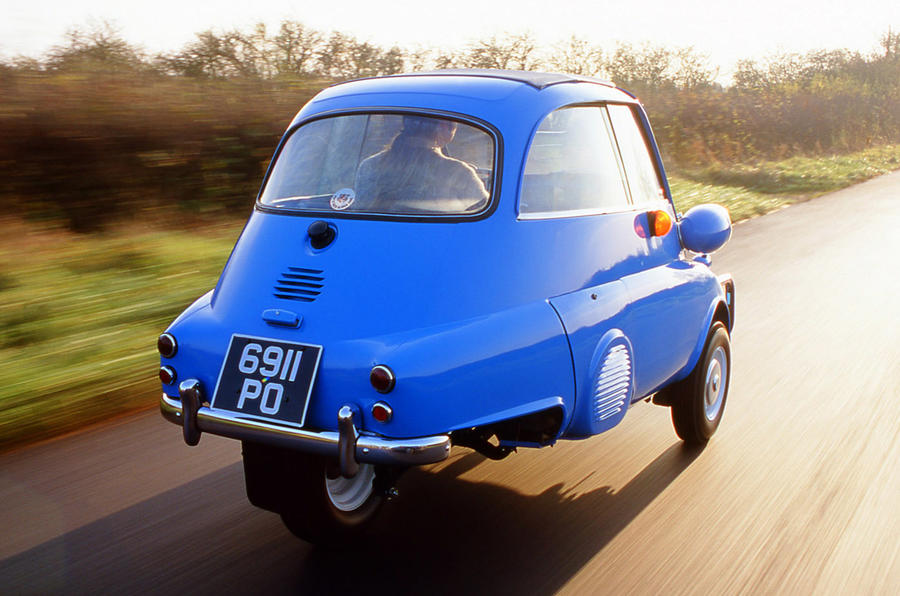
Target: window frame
column 648, row 146
column 478, row 123
column 631, row 206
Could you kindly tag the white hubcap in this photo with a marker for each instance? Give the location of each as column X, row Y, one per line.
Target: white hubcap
column 714, row 392
column 349, row 494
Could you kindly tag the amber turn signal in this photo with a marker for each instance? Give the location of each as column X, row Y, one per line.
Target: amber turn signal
column 660, row 222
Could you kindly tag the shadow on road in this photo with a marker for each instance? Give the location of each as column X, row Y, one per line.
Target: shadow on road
column 449, row 535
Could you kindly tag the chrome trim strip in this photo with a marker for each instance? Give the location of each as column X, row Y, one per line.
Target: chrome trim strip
column 658, row 204
column 369, row 449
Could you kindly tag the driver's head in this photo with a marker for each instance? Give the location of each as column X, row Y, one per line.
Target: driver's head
column 437, row 132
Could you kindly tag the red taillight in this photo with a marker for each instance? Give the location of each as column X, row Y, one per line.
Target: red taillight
column 382, row 412
column 382, row 378
column 167, row 345
column 167, row 375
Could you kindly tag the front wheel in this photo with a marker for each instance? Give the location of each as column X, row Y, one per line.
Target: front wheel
column 699, row 400
column 315, row 502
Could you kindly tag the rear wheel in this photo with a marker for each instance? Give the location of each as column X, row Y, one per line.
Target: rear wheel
column 699, row 400
column 315, row 502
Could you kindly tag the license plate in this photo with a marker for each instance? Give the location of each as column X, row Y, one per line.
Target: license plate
column 267, row 378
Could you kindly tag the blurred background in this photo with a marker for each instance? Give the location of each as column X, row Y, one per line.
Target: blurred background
column 126, row 173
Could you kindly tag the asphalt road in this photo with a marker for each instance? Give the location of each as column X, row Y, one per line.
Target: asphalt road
column 798, row 492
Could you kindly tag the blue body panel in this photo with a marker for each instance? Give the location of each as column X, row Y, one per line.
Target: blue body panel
column 481, row 320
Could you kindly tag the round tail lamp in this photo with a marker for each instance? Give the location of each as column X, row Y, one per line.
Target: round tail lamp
column 167, row 375
column 382, row 412
column 167, row 345
column 382, row 379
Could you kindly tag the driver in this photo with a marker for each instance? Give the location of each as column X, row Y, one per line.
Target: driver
column 412, row 174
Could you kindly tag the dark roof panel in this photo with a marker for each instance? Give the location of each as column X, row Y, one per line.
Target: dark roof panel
column 538, row 80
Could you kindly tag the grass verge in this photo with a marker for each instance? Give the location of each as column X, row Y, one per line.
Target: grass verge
column 79, row 314
column 751, row 190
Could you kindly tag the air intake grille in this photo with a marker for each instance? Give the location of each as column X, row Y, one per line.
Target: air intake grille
column 613, row 383
column 298, row 283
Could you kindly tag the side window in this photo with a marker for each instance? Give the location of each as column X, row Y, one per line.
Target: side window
column 639, row 166
column 572, row 165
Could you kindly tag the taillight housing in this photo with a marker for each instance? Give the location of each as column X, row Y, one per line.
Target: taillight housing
column 382, row 412
column 167, row 345
column 382, row 378
column 167, row 375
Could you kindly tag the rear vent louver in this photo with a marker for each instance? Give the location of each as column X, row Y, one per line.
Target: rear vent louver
column 613, row 384
column 298, row 283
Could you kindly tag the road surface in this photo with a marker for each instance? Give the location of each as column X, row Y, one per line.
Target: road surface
column 798, row 492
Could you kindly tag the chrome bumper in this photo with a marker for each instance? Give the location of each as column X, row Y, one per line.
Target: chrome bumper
column 348, row 445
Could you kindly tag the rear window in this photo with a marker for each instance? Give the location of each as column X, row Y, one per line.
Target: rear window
column 390, row 164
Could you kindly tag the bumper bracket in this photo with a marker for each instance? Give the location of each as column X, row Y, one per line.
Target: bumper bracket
column 190, row 403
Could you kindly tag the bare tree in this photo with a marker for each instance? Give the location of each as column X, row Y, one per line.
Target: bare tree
column 295, row 48
column 391, row 61
column 748, row 75
column 576, row 56
column 692, row 70
column 512, row 52
column 333, row 55
column 210, row 55
column 343, row 56
column 101, row 45
column 449, row 60
column 890, row 41
column 649, row 65
column 419, row 58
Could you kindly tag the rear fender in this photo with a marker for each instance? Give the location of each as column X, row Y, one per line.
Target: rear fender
column 604, row 400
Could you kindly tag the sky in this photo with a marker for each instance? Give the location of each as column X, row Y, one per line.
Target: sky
column 725, row 31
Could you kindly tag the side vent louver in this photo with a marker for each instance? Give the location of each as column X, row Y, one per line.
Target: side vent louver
column 613, row 383
column 298, row 283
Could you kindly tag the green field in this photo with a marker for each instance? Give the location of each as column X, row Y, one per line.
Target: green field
column 79, row 314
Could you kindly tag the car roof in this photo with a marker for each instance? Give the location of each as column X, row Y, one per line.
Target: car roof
column 509, row 99
column 538, row 80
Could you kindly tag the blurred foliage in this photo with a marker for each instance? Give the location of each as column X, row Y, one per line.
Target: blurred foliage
column 79, row 315
column 92, row 146
column 98, row 130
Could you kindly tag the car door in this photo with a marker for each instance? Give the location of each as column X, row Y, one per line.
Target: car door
column 667, row 294
column 632, row 320
column 574, row 182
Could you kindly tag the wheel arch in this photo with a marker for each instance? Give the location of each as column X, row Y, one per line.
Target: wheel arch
column 717, row 312
column 723, row 315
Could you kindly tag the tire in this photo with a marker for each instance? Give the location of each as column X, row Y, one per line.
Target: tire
column 315, row 502
column 698, row 401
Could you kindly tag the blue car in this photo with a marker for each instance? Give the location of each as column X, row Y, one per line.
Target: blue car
column 480, row 259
